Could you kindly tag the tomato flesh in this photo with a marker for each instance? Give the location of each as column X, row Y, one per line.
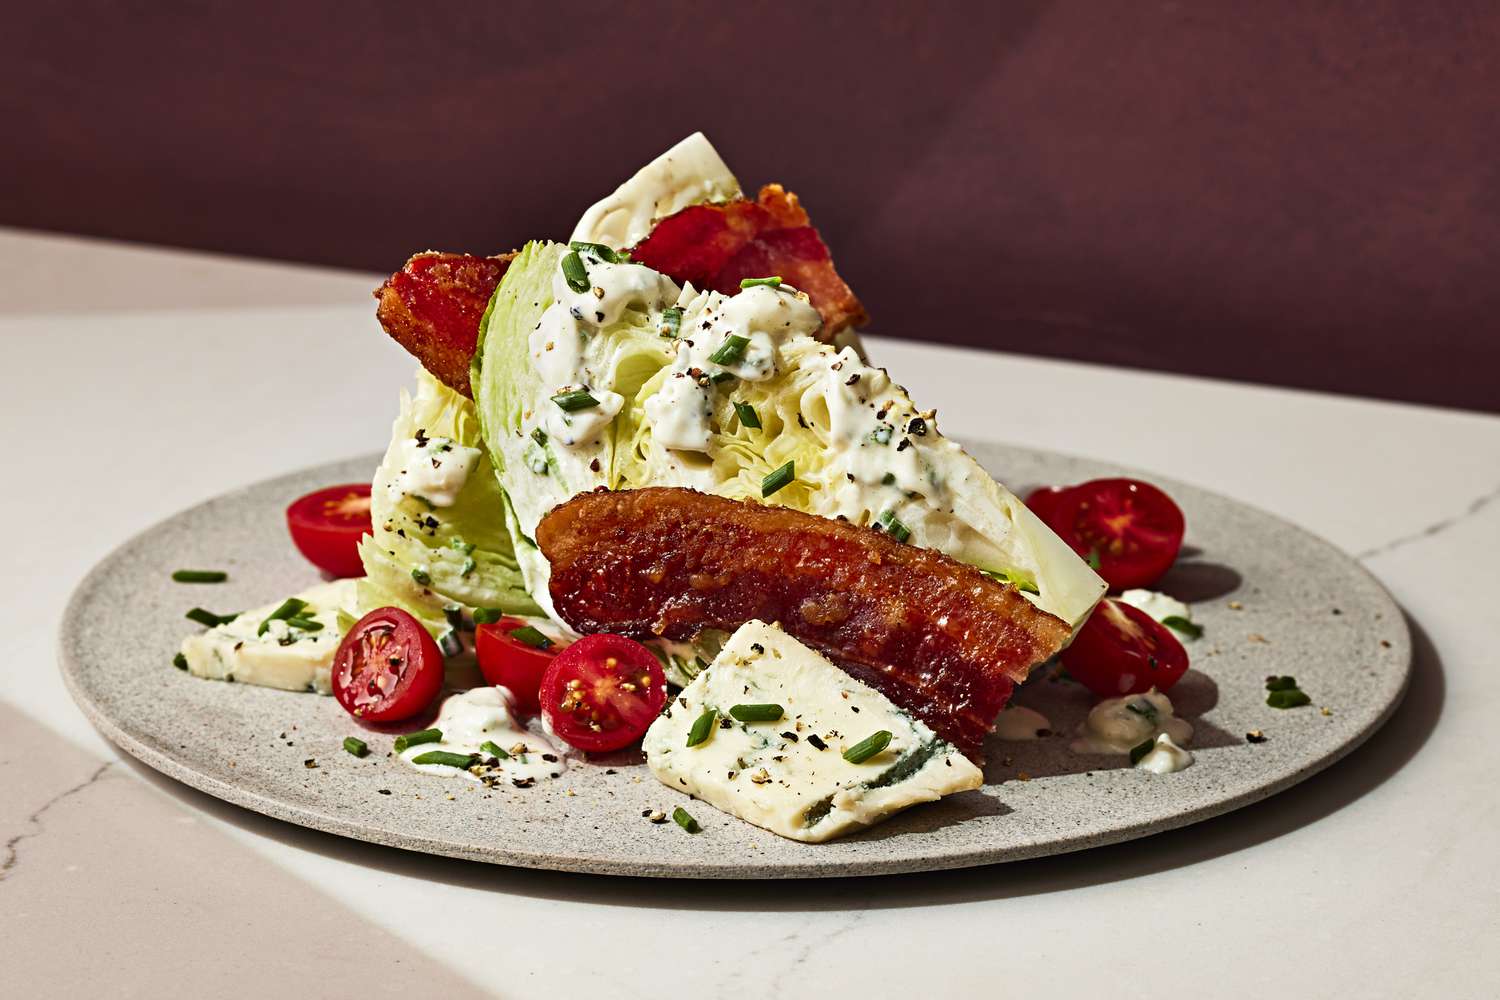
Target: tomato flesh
column 1122, row 650
column 387, row 667
column 603, row 692
column 327, row 524
column 1131, row 529
column 510, row 663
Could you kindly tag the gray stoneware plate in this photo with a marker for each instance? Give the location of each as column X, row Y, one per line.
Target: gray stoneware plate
column 1272, row 598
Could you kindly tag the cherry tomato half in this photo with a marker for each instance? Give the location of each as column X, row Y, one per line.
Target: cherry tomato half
column 1123, row 650
column 510, row 663
column 387, row 668
column 603, row 692
column 1132, row 529
column 327, row 525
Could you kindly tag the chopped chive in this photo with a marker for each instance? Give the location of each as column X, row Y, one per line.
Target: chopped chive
column 731, row 350
column 768, row 282
column 776, row 480
column 421, row 575
column 1093, row 559
column 1141, row 749
column 868, row 747
column 575, row 273
column 599, row 250
column 671, row 322
column 882, row 435
column 487, row 616
column 450, row 644
column 453, row 614
column 703, row 727
column 1281, row 683
column 575, row 400
column 356, row 746
column 748, row 417
column 1190, row 629
column 888, row 479
column 208, row 619
column 461, row 545
column 305, row 624
column 493, row 749
column 463, row 760
column 531, row 637
column 718, row 377
column 700, row 663
column 180, row 662
column 1288, row 698
column 539, row 436
column 289, row 608
column 757, row 713
column 417, row 738
column 199, row 576
column 681, row 818
column 467, row 567
column 893, row 526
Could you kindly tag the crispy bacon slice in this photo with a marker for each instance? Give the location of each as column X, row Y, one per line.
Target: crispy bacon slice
column 715, row 246
column 433, row 305
column 938, row 637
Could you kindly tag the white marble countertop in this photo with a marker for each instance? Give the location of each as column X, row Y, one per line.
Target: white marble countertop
column 136, row 382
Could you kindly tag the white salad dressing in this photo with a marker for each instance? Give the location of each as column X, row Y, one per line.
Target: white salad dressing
column 1161, row 607
column 1017, row 722
column 434, row 469
column 469, row 719
column 689, row 173
column 1165, row 757
column 1117, row 725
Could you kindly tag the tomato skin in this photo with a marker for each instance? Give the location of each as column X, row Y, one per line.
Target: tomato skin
column 387, row 668
column 1133, row 529
column 327, row 524
column 585, row 698
column 1122, row 650
column 511, row 664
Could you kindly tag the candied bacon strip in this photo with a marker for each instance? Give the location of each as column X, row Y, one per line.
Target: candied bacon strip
column 715, row 246
column 433, row 306
column 938, row 637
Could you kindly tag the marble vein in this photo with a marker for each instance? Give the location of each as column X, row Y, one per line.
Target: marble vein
column 1435, row 528
column 33, row 823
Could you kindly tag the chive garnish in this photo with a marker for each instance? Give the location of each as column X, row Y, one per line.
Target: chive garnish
column 1281, row 683
column 289, row 608
column 417, row 738
column 757, row 713
column 356, row 746
column 1290, row 698
column 599, row 250
column 539, row 436
column 671, row 322
column 868, row 747
column 1141, row 749
column 463, row 760
column 731, row 350
column 180, row 662
column 1093, row 559
column 467, row 567
column 681, row 818
column 748, row 417
column 531, row 637
column 450, row 644
column 208, row 619
column 893, row 526
column 888, row 479
column 421, row 575
column 703, row 727
column 776, row 480
column 1190, row 629
column 774, row 282
column 493, row 749
column 574, row 400
column 199, row 576
column 575, row 273
column 718, row 377
column 305, row 624
column 487, row 616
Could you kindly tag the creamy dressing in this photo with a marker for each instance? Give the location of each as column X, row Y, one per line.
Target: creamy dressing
column 1117, row 725
column 1161, row 607
column 434, row 469
column 472, row 717
column 689, row 173
column 1017, row 722
column 1165, row 757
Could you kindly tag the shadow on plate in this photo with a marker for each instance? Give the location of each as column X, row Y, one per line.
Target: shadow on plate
column 1304, row 804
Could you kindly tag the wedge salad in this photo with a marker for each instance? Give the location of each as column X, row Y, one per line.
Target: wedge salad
column 649, row 483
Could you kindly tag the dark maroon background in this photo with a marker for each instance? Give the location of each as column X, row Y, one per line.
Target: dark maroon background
column 1306, row 194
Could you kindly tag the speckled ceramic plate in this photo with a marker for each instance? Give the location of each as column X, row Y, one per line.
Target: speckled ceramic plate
column 1272, row 599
